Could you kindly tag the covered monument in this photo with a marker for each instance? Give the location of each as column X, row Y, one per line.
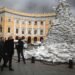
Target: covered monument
column 60, row 43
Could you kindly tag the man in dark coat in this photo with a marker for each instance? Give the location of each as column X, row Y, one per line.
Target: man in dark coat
column 20, row 50
column 8, row 51
column 1, row 47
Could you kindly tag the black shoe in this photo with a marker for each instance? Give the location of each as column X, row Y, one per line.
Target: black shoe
column 10, row 69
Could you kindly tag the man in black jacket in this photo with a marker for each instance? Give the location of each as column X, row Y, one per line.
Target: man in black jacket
column 8, row 52
column 1, row 47
column 20, row 50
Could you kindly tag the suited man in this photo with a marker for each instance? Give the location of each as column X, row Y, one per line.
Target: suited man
column 8, row 52
column 20, row 50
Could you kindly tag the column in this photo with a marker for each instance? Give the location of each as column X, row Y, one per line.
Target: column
column 20, row 29
column 44, row 28
column 38, row 27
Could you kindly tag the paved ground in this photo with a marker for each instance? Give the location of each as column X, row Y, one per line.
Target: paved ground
column 38, row 69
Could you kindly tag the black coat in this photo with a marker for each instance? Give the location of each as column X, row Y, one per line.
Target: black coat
column 1, row 44
column 9, row 47
column 20, row 45
column 1, row 48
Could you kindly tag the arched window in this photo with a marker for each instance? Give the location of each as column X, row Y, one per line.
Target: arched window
column 29, row 39
column 41, row 39
column 23, row 37
column 35, row 39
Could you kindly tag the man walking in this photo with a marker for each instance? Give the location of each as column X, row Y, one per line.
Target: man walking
column 8, row 52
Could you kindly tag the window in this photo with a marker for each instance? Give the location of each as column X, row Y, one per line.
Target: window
column 35, row 22
column 29, row 22
column 22, row 31
column 29, row 31
column 23, row 22
column 9, row 20
column 17, row 21
column 17, row 30
column 0, row 28
column 41, row 22
column 35, row 31
column 8, row 29
column 41, row 32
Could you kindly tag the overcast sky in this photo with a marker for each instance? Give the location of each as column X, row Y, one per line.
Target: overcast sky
column 34, row 6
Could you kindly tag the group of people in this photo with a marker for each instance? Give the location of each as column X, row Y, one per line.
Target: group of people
column 7, row 51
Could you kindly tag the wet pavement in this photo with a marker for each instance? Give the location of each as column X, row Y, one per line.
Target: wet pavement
column 38, row 68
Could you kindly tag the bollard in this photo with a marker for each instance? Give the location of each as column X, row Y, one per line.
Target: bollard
column 70, row 63
column 33, row 59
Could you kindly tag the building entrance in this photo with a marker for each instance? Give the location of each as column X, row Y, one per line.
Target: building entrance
column 41, row 39
column 29, row 40
column 35, row 39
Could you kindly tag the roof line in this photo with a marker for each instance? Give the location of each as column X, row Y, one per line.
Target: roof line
column 26, row 14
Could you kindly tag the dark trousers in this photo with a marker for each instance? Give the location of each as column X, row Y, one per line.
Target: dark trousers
column 7, row 58
column 1, row 55
column 20, row 52
column 10, row 61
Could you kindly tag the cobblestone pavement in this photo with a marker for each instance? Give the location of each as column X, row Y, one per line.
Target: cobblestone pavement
column 38, row 69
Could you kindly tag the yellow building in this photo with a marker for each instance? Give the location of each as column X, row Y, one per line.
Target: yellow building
column 32, row 27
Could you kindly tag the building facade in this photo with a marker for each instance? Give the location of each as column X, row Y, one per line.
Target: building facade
column 31, row 27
